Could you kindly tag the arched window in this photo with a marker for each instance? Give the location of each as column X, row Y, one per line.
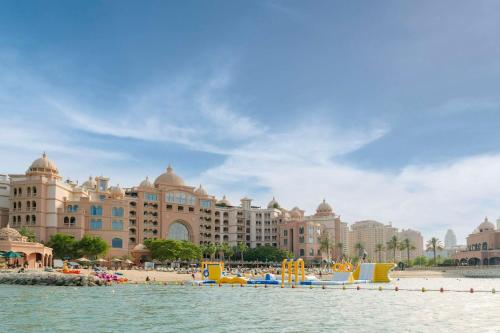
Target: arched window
column 72, row 220
column 28, row 205
column 27, row 219
column 15, row 191
column 117, row 243
column 33, row 204
column 178, row 231
column 485, row 246
column 33, row 219
column 66, row 220
column 13, row 220
column 28, row 191
column 15, row 205
column 117, row 225
column 18, row 219
column 70, row 208
column 19, row 205
column 34, row 190
column 20, row 191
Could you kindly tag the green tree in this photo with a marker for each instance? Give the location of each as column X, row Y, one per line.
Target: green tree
column 434, row 244
column 420, row 261
column 63, row 245
column 228, row 251
column 91, row 246
column 267, row 254
column 408, row 246
column 242, row 248
column 163, row 249
column 379, row 248
column 211, row 250
column 326, row 244
column 188, row 251
column 30, row 235
column 393, row 245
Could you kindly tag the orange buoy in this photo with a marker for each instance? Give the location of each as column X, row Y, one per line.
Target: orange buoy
column 293, row 286
column 241, row 285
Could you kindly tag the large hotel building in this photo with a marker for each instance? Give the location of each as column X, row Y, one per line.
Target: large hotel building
column 42, row 201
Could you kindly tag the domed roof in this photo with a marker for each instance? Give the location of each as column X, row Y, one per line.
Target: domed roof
column 273, row 204
column 146, row 183
column 117, row 191
column 90, row 183
column 224, row 201
column 169, row 178
column 8, row 233
column 486, row 225
column 140, row 247
column 324, row 208
column 295, row 213
column 200, row 191
column 43, row 164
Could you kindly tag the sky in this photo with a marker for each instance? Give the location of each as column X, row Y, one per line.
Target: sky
column 389, row 110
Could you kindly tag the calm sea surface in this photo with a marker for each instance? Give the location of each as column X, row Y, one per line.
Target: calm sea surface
column 155, row 308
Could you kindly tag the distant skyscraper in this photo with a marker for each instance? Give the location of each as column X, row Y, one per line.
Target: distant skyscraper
column 450, row 240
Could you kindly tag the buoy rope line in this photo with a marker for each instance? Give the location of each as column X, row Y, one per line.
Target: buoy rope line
column 329, row 287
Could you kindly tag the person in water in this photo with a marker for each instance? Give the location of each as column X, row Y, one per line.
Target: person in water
column 148, row 279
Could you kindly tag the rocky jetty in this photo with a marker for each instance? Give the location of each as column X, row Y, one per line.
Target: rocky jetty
column 50, row 279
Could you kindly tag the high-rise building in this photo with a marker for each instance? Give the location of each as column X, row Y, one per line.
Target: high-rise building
column 416, row 241
column 450, row 240
column 372, row 237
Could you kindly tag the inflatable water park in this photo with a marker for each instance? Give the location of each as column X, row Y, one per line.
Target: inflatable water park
column 293, row 274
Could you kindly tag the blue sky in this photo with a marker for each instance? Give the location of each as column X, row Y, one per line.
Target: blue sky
column 387, row 109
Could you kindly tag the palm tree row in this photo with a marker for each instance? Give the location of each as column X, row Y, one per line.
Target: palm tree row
column 223, row 251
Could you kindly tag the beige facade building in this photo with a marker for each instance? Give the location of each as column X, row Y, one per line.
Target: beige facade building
column 365, row 235
column 416, row 240
column 42, row 201
column 483, row 246
column 34, row 255
column 4, row 200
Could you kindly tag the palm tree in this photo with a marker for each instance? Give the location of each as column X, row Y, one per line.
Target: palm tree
column 359, row 246
column 211, row 250
column 326, row 244
column 392, row 244
column 379, row 248
column 340, row 247
column 434, row 244
column 408, row 246
column 242, row 248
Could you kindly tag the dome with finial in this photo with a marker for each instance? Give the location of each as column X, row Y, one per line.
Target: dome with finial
column 224, row 201
column 486, row 226
column 200, row 191
column 324, row 208
column 295, row 213
column 140, row 248
column 43, row 165
column 146, row 183
column 10, row 234
column 169, row 178
column 273, row 204
column 90, row 183
column 117, row 192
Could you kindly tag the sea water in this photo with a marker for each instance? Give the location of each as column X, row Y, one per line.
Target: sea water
column 159, row 308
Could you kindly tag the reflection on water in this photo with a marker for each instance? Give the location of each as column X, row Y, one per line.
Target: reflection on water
column 137, row 308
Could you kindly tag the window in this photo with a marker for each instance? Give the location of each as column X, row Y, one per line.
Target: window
column 178, row 231
column 34, row 190
column 15, row 205
column 20, row 191
column 27, row 219
column 301, row 239
column 15, row 191
column 66, row 220
column 117, row 243
column 95, row 224
column 28, row 191
column 96, row 210
column 150, row 197
column 33, row 205
column 311, row 252
column 180, row 198
column 33, row 219
column 102, row 197
column 285, row 233
column 117, row 211
column 72, row 220
column 205, row 203
column 301, row 230
column 301, row 252
column 117, row 225
column 285, row 241
column 170, row 197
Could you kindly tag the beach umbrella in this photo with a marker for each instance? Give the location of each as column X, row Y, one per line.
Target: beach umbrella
column 100, row 260
column 83, row 260
column 128, row 261
column 116, row 260
column 12, row 254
